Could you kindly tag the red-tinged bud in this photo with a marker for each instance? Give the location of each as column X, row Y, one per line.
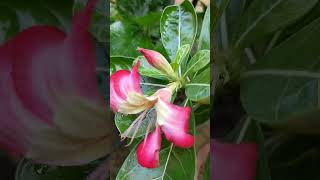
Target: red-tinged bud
column 157, row 60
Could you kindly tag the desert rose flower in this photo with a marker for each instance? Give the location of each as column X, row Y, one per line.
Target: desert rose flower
column 126, row 97
column 233, row 161
column 51, row 109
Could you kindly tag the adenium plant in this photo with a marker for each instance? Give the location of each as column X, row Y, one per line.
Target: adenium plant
column 126, row 97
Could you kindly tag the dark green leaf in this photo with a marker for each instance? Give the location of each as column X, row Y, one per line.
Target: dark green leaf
column 126, row 38
column 267, row 16
column 283, row 88
column 30, row 170
column 17, row 15
column 295, row 158
column 99, row 25
column 120, row 62
column 178, row 27
column 140, row 8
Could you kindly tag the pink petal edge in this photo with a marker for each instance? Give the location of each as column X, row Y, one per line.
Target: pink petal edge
column 174, row 122
column 148, row 150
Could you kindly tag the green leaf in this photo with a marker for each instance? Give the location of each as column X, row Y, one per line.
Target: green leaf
column 178, row 26
column 207, row 169
column 181, row 57
column 30, row 170
column 126, row 38
column 146, row 69
column 197, row 62
column 204, row 39
column 267, row 16
column 199, row 88
column 201, row 113
column 295, row 157
column 99, row 25
column 123, row 122
column 16, row 15
column 120, row 62
column 282, row 89
column 171, row 159
column 140, row 8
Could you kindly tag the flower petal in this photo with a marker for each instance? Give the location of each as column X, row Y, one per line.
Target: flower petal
column 48, row 65
column 125, row 84
column 157, row 60
column 174, row 122
column 233, row 161
column 148, row 150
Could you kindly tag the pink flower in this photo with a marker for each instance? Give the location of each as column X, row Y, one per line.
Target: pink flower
column 126, row 97
column 233, row 161
column 51, row 107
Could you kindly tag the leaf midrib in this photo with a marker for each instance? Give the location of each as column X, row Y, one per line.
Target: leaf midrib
column 280, row 72
column 255, row 23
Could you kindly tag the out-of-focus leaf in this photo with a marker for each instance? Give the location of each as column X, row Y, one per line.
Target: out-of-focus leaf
column 282, row 89
column 267, row 16
column 99, row 25
column 30, row 170
column 16, row 15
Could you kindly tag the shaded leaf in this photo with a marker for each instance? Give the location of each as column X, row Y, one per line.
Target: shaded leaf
column 283, row 88
column 267, row 16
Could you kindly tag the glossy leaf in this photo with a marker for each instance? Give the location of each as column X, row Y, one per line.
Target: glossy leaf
column 120, row 62
column 204, row 38
column 123, row 122
column 267, row 16
column 199, row 88
column 181, row 57
column 171, row 159
column 178, row 26
column 283, row 88
column 198, row 61
column 126, row 38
